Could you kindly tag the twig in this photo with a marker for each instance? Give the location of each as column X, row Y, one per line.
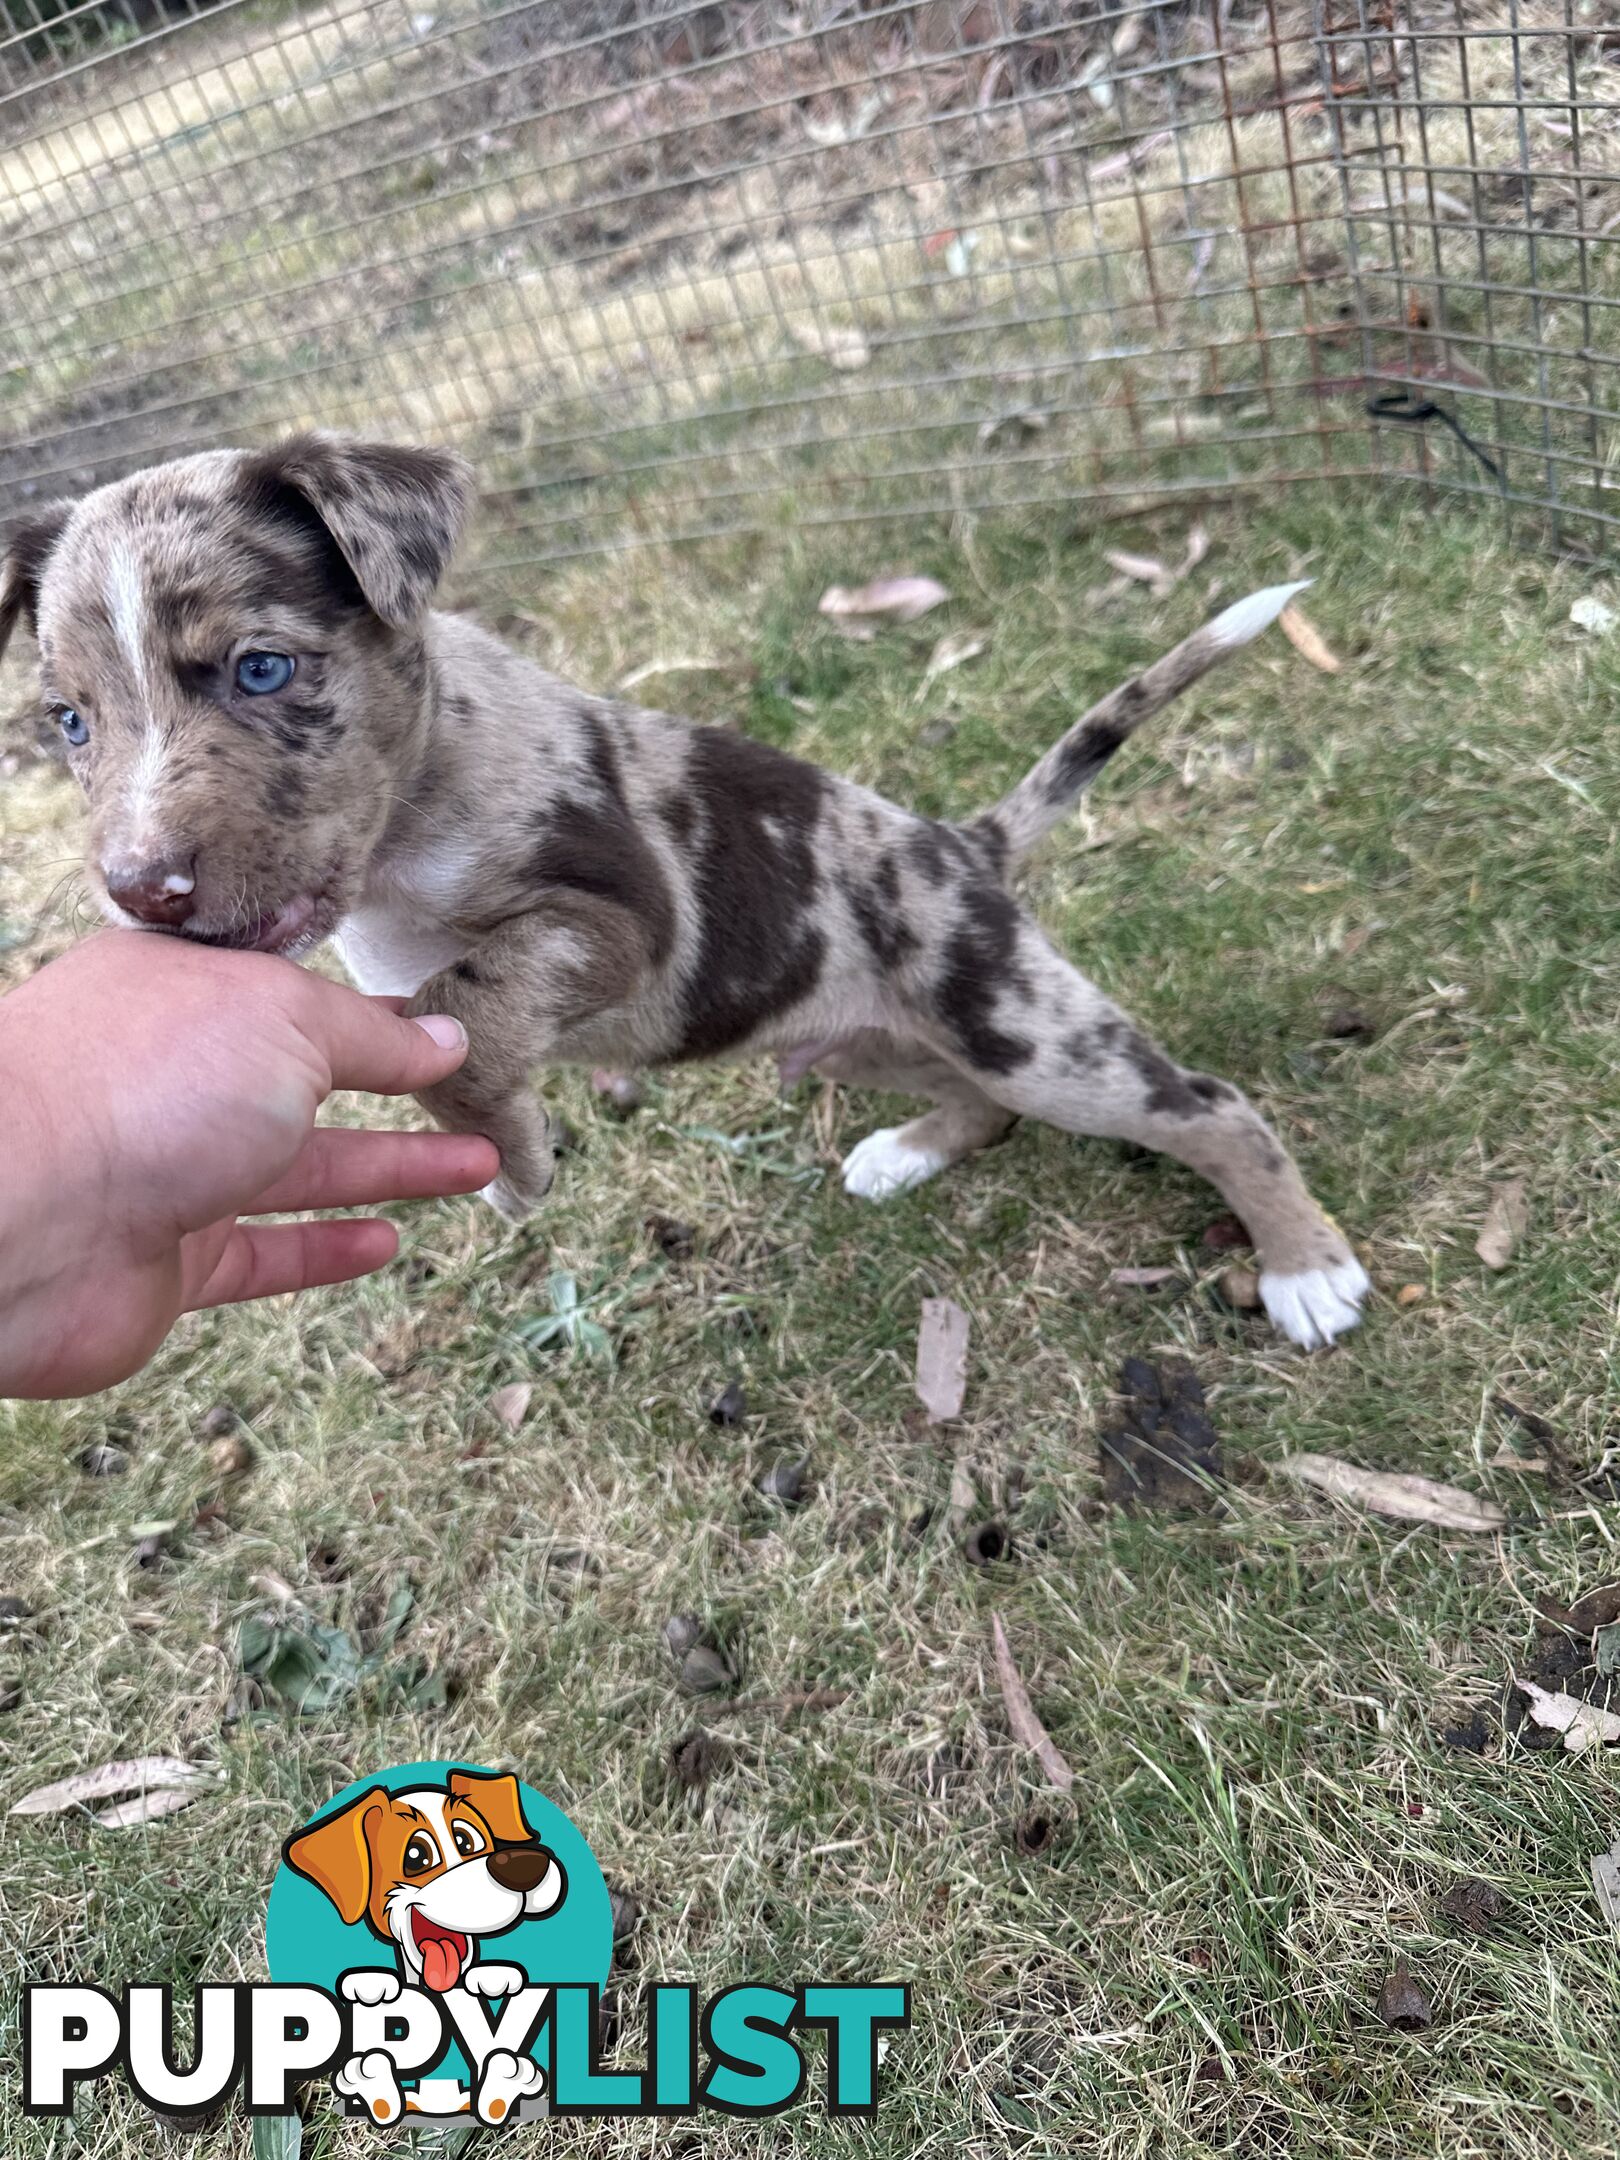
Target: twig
column 1026, row 1726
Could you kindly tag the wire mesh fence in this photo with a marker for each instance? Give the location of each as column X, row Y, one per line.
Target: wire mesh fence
column 671, row 270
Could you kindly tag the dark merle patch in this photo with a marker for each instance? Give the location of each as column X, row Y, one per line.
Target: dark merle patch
column 938, row 851
column 981, row 962
column 679, row 814
column 588, row 849
column 1084, row 1049
column 1170, row 1091
column 464, row 971
column 1082, row 757
column 307, row 725
column 989, row 836
column 755, row 882
column 284, row 795
column 874, row 903
column 602, row 752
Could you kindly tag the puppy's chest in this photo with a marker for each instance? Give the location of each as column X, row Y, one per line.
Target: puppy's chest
column 395, row 940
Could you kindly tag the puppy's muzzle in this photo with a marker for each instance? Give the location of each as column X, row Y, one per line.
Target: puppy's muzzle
column 161, row 893
column 519, row 1868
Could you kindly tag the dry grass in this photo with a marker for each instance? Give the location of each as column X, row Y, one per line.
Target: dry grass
column 1264, row 1818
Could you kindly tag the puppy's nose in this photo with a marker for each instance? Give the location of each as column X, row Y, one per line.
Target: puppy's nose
column 161, row 893
column 519, row 1867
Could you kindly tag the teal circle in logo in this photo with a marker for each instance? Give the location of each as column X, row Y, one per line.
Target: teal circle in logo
column 344, row 1876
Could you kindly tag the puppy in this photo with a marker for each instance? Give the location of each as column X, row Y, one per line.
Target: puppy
column 281, row 742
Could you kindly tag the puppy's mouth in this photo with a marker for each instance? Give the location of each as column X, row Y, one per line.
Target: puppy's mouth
column 290, row 929
column 443, row 1951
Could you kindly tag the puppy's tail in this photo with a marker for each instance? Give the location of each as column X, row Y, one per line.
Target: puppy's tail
column 1047, row 793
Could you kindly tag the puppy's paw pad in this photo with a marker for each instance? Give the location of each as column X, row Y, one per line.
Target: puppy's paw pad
column 1313, row 1307
column 885, row 1163
column 365, row 1986
column 493, row 1979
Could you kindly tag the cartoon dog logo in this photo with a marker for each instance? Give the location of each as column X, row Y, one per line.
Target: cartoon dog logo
column 433, row 1872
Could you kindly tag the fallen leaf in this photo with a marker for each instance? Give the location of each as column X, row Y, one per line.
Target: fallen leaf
column 146, row 1807
column 1508, row 1457
column 1582, row 1724
column 140, row 1773
column 1308, row 641
column 277, row 2137
column 1027, row 1728
column 1506, row 1220
column 1141, row 569
column 845, row 350
column 695, row 1758
column 230, row 1455
column 1141, row 1278
column 942, row 1345
column 705, row 1670
column 903, row 596
column 1411, row 1293
column 1473, row 1904
column 650, row 668
column 784, row 1481
column 510, row 1405
column 1606, row 1882
column 1164, row 1453
column 1391, row 1492
column 954, row 649
column 1240, row 1288
column 1595, row 615
column 1402, row 2004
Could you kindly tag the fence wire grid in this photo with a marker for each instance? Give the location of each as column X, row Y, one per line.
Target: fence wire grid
column 670, row 271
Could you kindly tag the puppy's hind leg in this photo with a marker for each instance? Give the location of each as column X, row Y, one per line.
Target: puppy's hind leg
column 1041, row 1040
column 896, row 1157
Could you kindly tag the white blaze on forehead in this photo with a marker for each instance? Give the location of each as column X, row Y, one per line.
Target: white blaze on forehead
column 146, row 840
column 126, row 599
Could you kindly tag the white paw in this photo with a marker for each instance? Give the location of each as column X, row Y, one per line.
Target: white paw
column 506, row 1200
column 1313, row 1307
column 370, row 2079
column 506, row 2078
column 366, row 1986
column 493, row 1980
column 883, row 1164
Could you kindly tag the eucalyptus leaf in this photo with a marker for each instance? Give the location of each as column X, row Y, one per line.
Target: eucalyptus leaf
column 277, row 2137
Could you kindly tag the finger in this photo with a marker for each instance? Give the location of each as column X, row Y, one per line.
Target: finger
column 368, row 1046
column 338, row 1168
column 264, row 1259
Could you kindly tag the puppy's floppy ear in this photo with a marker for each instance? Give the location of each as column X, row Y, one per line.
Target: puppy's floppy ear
column 28, row 546
column 498, row 1800
column 395, row 513
column 336, row 1854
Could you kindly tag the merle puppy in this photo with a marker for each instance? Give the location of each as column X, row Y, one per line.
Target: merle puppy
column 281, row 742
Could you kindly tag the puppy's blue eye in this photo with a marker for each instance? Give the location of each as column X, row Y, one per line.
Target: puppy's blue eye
column 258, row 673
column 75, row 728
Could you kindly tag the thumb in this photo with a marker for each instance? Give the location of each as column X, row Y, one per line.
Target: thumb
column 368, row 1045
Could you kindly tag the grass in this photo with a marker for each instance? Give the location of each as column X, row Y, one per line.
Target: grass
column 1264, row 1817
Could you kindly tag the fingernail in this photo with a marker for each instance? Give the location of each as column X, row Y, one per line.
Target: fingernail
column 447, row 1033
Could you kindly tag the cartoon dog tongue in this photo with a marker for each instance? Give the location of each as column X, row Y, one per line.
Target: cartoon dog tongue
column 442, row 1955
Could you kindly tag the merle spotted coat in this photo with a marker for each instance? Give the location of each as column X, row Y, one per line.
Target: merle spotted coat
column 281, row 742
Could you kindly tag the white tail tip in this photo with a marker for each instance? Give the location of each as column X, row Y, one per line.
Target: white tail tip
column 1245, row 619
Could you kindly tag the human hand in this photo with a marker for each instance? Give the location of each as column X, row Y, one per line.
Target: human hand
column 154, row 1092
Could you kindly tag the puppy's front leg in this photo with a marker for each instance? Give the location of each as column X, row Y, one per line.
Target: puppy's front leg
column 496, row 995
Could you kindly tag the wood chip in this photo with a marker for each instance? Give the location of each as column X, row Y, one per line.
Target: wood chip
column 1308, row 641
column 140, row 1773
column 1582, row 1724
column 1389, row 1492
column 1027, row 1728
column 1506, row 1220
column 942, row 1345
